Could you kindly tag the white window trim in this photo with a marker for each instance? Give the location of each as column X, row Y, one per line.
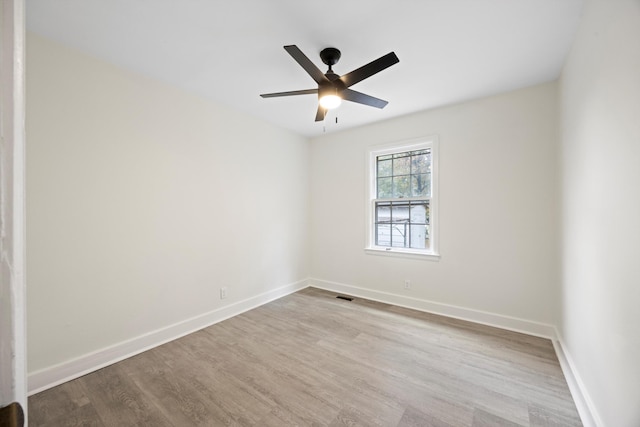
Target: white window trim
column 408, row 145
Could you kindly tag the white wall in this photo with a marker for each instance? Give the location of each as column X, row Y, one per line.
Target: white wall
column 142, row 201
column 600, row 110
column 498, row 207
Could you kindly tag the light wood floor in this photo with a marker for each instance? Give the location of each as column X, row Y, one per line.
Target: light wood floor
column 310, row 359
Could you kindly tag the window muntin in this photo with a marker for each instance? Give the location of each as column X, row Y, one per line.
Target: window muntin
column 401, row 198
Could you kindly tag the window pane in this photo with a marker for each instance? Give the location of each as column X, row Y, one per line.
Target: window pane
column 385, row 188
column 399, row 235
column 400, row 212
column 419, row 212
column 420, row 163
column 383, row 212
column 421, row 185
column 384, row 167
column 383, row 234
column 419, row 237
column 419, row 225
column 400, row 225
column 402, row 165
column 383, row 224
column 401, row 187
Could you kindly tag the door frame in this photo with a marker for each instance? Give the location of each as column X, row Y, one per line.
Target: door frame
column 13, row 370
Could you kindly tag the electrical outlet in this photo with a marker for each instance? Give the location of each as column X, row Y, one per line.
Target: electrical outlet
column 407, row 284
column 223, row 293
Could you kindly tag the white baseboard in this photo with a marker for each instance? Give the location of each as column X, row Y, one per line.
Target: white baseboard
column 49, row 377
column 491, row 319
column 588, row 413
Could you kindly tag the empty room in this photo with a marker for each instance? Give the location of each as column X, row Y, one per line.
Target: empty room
column 357, row 213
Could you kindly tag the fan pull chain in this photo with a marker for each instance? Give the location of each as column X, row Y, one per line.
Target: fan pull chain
column 324, row 123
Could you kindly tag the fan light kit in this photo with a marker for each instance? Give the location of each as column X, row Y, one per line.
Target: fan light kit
column 330, row 99
column 332, row 88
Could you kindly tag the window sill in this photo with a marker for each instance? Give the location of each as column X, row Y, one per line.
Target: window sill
column 403, row 253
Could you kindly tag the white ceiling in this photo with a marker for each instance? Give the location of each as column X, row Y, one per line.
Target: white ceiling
column 232, row 51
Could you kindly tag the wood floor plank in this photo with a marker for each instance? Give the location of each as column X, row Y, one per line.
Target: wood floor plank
column 413, row 417
column 229, row 396
column 85, row 416
column 309, row 359
column 483, row 418
column 52, row 404
column 549, row 417
column 118, row 401
column 176, row 398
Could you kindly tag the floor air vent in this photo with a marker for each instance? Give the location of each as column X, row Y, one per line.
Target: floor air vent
column 344, row 298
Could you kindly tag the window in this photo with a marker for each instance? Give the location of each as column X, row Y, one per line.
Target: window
column 402, row 204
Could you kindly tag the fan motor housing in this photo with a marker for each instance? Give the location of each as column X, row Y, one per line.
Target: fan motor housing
column 330, row 56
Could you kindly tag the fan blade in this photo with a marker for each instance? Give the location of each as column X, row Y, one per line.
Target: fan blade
column 320, row 115
column 361, row 98
column 370, row 69
column 294, row 92
column 306, row 63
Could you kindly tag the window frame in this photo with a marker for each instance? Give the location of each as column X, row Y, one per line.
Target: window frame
column 428, row 142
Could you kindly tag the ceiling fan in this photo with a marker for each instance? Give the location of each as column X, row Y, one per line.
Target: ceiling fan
column 332, row 88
